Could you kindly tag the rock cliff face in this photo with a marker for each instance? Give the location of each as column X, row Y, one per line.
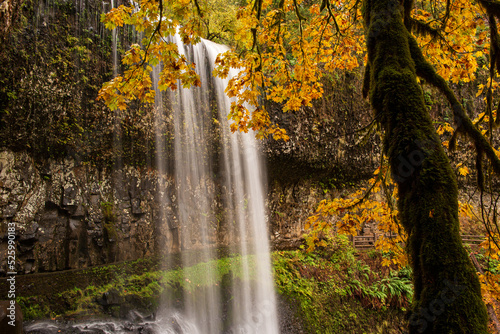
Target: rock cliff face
column 71, row 215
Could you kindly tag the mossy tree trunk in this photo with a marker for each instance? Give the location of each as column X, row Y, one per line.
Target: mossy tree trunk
column 447, row 295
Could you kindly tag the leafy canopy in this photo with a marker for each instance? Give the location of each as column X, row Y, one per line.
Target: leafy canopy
column 282, row 49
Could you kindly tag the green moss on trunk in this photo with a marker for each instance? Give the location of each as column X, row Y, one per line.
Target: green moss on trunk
column 447, row 295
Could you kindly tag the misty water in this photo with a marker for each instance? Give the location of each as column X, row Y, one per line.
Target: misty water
column 244, row 197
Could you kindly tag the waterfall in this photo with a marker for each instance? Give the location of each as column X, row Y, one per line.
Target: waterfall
column 117, row 120
column 114, row 45
column 200, row 126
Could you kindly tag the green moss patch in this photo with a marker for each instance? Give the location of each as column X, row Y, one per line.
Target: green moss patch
column 114, row 290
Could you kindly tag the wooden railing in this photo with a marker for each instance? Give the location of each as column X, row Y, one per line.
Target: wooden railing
column 364, row 241
column 368, row 241
column 470, row 239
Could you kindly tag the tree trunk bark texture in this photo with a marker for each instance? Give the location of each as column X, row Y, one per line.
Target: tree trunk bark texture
column 447, row 294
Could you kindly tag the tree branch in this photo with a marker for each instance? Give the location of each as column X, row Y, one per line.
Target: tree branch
column 463, row 122
column 491, row 6
column 424, row 29
column 157, row 30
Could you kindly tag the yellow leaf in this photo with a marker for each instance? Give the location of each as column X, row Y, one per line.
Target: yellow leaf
column 464, row 171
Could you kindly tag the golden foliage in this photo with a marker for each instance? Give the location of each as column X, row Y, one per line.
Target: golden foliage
column 361, row 207
column 282, row 49
column 376, row 204
column 490, row 290
column 462, row 38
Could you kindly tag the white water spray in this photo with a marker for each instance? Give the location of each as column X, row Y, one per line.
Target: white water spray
column 253, row 307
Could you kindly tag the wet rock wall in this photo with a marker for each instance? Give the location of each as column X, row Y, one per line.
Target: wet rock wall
column 73, row 216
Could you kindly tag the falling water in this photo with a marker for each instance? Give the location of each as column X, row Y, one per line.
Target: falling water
column 117, row 120
column 114, row 45
column 193, row 171
column 252, row 309
column 254, row 305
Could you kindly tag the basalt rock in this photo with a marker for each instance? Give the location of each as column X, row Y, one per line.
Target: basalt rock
column 69, row 215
